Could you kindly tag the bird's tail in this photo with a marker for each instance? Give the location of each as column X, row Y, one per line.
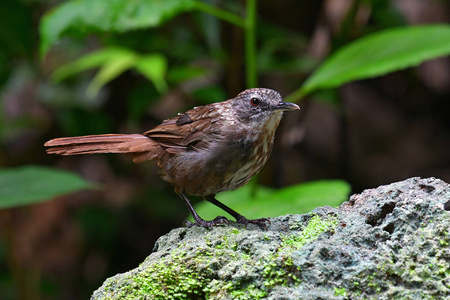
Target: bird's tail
column 140, row 146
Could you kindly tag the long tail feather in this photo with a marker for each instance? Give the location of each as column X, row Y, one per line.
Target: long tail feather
column 136, row 144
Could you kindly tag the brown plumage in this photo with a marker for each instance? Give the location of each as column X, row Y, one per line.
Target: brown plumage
column 204, row 151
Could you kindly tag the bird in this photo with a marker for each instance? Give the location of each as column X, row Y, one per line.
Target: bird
column 203, row 151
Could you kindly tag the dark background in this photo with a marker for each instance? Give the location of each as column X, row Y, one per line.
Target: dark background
column 368, row 132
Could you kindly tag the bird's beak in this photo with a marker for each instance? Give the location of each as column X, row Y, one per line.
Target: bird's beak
column 285, row 106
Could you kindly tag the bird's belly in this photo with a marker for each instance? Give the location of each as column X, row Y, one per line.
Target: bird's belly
column 246, row 171
column 218, row 169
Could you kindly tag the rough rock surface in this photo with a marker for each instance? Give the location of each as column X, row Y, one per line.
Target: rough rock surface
column 391, row 242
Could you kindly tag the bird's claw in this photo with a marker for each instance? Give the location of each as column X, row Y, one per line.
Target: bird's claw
column 259, row 222
column 207, row 223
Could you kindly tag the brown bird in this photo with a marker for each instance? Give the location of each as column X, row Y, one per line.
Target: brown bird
column 204, row 151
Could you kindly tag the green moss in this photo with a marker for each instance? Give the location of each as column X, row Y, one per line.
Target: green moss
column 249, row 293
column 178, row 278
column 180, row 275
column 279, row 269
column 235, row 231
column 310, row 233
column 340, row 292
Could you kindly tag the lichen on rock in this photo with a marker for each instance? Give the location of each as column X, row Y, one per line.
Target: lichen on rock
column 385, row 243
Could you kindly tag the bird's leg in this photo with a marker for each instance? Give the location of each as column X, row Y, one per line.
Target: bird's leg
column 239, row 218
column 199, row 221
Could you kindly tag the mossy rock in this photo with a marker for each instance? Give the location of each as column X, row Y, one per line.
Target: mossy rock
column 386, row 243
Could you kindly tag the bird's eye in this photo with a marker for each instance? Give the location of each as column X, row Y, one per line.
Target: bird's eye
column 254, row 101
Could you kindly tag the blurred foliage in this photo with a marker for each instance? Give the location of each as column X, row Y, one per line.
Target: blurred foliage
column 15, row 37
column 78, row 18
column 378, row 54
column 113, row 62
column 269, row 202
column 155, row 58
column 31, row 184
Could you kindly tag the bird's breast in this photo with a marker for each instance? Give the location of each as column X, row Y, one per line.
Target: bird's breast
column 259, row 144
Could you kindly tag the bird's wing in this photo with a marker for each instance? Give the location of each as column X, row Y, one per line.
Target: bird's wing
column 190, row 130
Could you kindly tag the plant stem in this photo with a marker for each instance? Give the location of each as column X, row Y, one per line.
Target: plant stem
column 220, row 13
column 250, row 44
column 249, row 25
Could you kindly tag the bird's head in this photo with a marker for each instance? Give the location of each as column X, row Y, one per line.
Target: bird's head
column 260, row 105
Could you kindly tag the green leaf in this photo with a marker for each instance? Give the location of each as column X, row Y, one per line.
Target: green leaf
column 90, row 61
column 154, row 67
column 297, row 199
column 113, row 61
column 33, row 184
column 379, row 54
column 110, row 70
column 82, row 17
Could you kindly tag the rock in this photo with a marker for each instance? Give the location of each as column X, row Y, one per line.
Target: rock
column 391, row 242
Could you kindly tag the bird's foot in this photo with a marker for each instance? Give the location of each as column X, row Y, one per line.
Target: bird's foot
column 259, row 222
column 209, row 224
